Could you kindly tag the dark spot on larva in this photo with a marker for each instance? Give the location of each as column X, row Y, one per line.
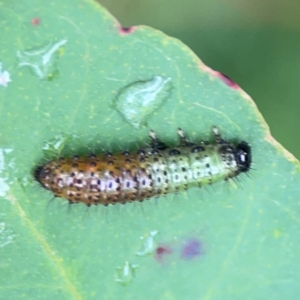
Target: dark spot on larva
column 207, row 165
column 92, row 174
column 110, row 185
column 98, row 181
column 198, row 149
column 156, row 159
column 128, row 161
column 128, row 184
column 126, row 153
column 108, row 154
column 165, row 173
column 110, row 162
column 75, row 165
column 141, row 152
column 158, row 179
column 176, row 177
column 154, row 152
column 142, row 159
column 174, row 152
column 92, row 155
column 183, row 169
column 92, row 164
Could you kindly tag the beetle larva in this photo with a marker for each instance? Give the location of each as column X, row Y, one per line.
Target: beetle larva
column 156, row 170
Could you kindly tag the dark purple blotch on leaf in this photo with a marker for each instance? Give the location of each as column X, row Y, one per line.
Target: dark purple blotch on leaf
column 191, row 249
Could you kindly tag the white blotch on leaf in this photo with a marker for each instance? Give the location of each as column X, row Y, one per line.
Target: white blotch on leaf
column 4, row 77
column 42, row 60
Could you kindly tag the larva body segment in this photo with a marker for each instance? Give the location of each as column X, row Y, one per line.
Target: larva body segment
column 156, row 170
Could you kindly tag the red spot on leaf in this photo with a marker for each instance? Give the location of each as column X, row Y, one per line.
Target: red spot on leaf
column 126, row 30
column 227, row 80
column 220, row 75
column 161, row 252
column 36, row 21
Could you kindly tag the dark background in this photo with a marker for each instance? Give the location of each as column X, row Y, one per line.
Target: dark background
column 256, row 43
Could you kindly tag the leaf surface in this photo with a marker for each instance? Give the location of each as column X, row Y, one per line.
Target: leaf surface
column 68, row 73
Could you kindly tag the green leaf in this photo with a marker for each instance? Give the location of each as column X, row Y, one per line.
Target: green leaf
column 67, row 68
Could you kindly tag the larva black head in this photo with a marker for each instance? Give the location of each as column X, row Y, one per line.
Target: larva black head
column 243, row 156
column 39, row 174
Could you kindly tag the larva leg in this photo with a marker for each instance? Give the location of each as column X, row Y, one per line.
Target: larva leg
column 217, row 135
column 183, row 140
column 155, row 142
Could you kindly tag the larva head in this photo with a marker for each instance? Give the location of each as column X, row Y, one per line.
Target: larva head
column 40, row 173
column 243, row 156
column 37, row 173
